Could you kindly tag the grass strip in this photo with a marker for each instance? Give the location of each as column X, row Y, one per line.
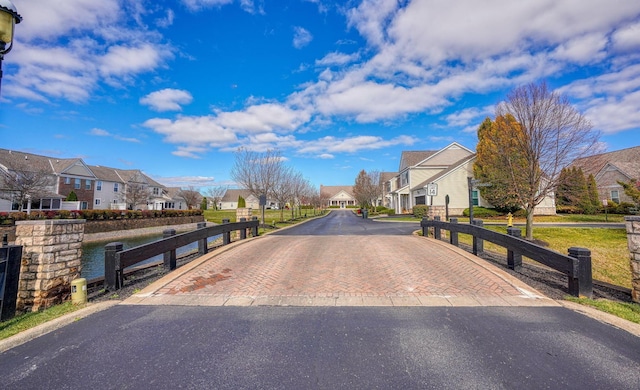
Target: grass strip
column 627, row 310
column 29, row 320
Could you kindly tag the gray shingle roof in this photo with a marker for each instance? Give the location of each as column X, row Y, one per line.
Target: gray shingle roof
column 627, row 160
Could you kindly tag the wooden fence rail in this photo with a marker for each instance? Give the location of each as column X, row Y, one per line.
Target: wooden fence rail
column 576, row 265
column 116, row 259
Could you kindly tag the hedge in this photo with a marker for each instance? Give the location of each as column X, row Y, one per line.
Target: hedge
column 8, row 218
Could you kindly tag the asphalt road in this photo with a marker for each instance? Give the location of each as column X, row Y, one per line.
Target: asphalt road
column 169, row 347
column 346, row 223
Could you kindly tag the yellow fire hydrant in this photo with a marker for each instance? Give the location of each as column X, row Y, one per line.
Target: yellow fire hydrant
column 509, row 220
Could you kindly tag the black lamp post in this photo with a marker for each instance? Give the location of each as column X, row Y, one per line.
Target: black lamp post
column 9, row 17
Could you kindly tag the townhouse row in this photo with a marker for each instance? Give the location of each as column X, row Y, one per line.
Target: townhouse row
column 35, row 182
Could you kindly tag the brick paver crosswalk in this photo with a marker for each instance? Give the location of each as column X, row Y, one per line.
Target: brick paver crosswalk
column 340, row 271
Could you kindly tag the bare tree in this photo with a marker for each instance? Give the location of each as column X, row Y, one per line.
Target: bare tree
column 191, row 196
column 257, row 172
column 20, row 182
column 215, row 194
column 367, row 188
column 282, row 190
column 548, row 134
column 136, row 194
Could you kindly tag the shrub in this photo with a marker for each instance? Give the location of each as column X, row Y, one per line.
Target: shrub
column 420, row 210
column 242, row 203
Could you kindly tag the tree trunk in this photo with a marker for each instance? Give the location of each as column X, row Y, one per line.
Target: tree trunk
column 529, row 228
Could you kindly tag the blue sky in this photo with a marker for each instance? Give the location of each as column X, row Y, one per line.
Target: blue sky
column 175, row 87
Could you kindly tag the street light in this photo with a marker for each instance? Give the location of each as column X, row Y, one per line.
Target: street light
column 9, row 17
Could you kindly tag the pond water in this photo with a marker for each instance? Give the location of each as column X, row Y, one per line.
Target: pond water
column 93, row 253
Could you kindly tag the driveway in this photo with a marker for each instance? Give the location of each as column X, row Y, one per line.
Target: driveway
column 341, row 260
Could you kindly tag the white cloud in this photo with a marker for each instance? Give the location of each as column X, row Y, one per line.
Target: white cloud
column 263, row 118
column 192, row 131
column 49, row 20
column 167, row 99
column 301, row 37
column 104, row 133
column 627, row 38
column 185, row 181
column 66, row 51
column 326, row 156
column 167, row 20
column 100, row 132
column 468, row 115
column 336, row 58
column 121, row 60
column 195, row 5
column 331, row 144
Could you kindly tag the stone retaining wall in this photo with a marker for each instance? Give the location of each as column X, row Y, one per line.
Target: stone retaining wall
column 633, row 241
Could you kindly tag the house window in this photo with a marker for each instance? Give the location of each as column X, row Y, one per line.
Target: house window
column 84, row 205
column 98, row 202
column 46, row 204
column 99, row 185
column 474, row 197
column 156, row 190
column 55, row 204
column 615, row 196
column 67, row 180
column 115, row 187
column 87, row 184
column 76, row 184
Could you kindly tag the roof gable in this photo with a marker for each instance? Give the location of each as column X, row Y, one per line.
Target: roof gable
column 625, row 160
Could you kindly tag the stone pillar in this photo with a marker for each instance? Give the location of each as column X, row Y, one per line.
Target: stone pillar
column 243, row 212
column 51, row 259
column 437, row 211
column 633, row 241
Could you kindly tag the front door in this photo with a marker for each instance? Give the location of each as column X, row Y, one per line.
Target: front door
column 342, row 205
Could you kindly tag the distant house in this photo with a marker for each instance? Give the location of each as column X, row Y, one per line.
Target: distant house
column 430, row 177
column 230, row 200
column 96, row 187
column 51, row 181
column 609, row 168
column 338, row 196
column 385, row 180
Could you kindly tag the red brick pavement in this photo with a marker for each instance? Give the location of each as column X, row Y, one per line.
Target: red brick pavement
column 341, row 270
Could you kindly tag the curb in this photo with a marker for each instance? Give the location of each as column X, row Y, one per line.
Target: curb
column 604, row 317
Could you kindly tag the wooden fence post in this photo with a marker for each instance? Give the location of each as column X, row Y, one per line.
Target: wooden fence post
column 425, row 229
column 169, row 257
column 514, row 259
column 226, row 236
column 243, row 232
column 478, row 243
column 202, row 243
column 453, row 239
column 111, row 266
column 582, row 283
column 436, row 229
column 255, row 229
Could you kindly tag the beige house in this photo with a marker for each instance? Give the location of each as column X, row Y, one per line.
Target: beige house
column 230, row 200
column 338, row 196
column 427, row 177
column 609, row 168
column 430, row 177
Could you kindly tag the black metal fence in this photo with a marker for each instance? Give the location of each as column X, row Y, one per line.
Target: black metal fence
column 116, row 259
column 10, row 258
column 576, row 265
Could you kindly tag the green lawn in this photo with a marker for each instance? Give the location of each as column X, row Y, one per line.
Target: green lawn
column 609, row 251
column 29, row 320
